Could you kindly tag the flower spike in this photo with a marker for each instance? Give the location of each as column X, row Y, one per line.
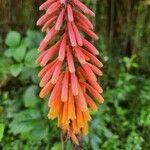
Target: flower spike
column 70, row 67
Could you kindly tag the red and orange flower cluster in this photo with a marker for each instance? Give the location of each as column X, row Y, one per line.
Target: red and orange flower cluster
column 70, row 65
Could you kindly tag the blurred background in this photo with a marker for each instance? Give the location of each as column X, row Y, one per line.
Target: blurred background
column 122, row 122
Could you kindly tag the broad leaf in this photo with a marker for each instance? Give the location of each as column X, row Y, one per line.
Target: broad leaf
column 9, row 52
column 16, row 69
column 13, row 39
column 25, row 121
column 31, row 58
column 30, row 98
column 19, row 53
column 39, row 132
column 34, row 38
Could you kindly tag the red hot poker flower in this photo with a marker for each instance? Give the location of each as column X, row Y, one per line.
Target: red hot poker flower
column 69, row 74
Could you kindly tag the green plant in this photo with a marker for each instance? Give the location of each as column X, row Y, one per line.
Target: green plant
column 23, row 114
column 122, row 122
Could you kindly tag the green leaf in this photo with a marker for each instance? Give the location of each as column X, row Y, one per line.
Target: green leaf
column 34, row 76
column 4, row 68
column 39, row 132
column 34, row 38
column 2, row 127
column 16, row 69
column 19, row 53
column 31, row 58
column 30, row 98
column 95, row 140
column 68, row 145
column 26, row 42
column 57, row 146
column 25, row 121
column 9, row 52
column 13, row 39
column 111, row 144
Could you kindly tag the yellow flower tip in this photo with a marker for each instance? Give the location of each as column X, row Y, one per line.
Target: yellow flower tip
column 85, row 131
column 101, row 64
column 90, row 118
column 97, row 38
column 42, row 30
column 41, row 84
column 39, row 50
column 97, row 53
column 65, row 122
column 101, row 90
column 101, row 73
column 72, row 117
column 42, row 65
column 65, row 126
column 102, row 100
column 36, row 62
column 51, row 115
column 41, row 95
column 95, row 109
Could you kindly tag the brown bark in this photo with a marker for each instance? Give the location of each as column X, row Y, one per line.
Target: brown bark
column 18, row 15
column 118, row 24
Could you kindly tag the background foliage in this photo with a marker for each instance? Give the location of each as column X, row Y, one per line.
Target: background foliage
column 121, row 123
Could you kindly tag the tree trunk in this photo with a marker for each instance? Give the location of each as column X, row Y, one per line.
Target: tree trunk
column 18, row 15
column 118, row 24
